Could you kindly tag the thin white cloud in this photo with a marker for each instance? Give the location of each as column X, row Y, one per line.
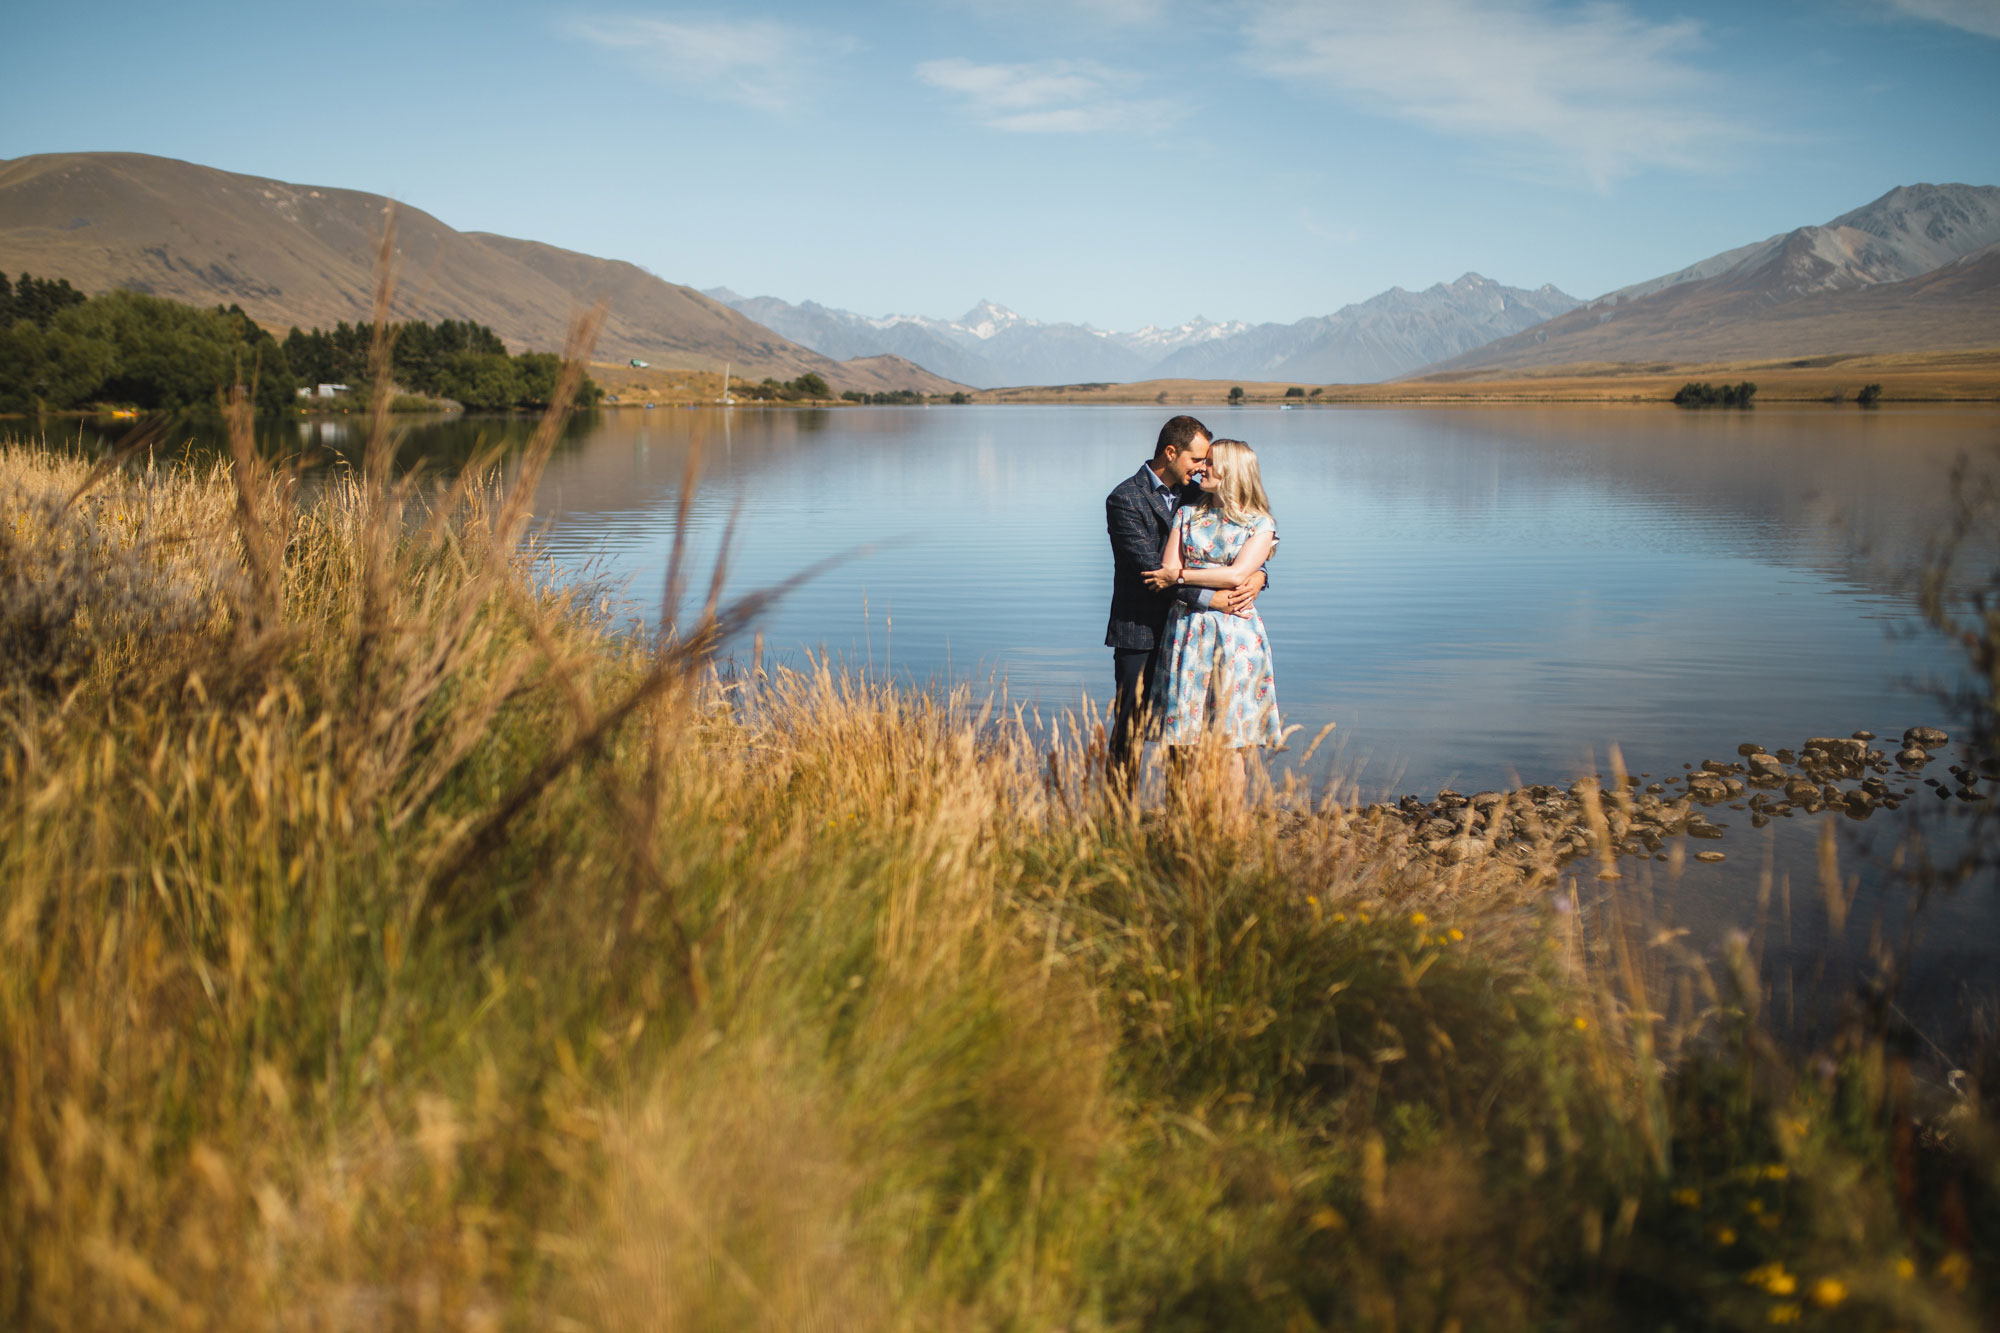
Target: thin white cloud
column 1086, row 13
column 1975, row 16
column 759, row 63
column 1591, row 91
column 1047, row 97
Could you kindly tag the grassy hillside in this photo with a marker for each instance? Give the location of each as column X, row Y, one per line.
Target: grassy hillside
column 385, row 941
column 1953, row 309
column 295, row 254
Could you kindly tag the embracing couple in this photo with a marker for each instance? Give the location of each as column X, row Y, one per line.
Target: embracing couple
column 1190, row 533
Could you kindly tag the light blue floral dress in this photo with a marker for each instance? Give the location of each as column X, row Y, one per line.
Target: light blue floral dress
column 1215, row 668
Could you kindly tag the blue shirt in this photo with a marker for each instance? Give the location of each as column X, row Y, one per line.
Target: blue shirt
column 1202, row 596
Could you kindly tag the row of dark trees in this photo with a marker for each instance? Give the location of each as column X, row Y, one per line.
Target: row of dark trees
column 60, row 349
column 37, row 300
column 456, row 359
column 1700, row 393
column 892, row 398
column 808, row 385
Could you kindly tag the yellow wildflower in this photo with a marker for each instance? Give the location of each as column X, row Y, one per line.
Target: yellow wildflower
column 1755, row 1206
column 1418, row 918
column 1362, row 917
column 1725, row 1236
column 1785, row 1312
column 1773, row 1278
column 1955, row 1268
column 1906, row 1268
column 1456, row 934
column 1776, row 1171
column 1687, row 1197
column 1580, row 1023
column 1828, row 1292
column 1312, row 900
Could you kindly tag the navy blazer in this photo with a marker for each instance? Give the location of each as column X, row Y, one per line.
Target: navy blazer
column 1137, row 516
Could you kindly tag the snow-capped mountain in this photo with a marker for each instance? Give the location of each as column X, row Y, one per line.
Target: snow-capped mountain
column 990, row 345
column 1900, row 273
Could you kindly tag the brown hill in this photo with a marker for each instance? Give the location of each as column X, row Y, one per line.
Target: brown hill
column 295, row 254
column 1914, row 271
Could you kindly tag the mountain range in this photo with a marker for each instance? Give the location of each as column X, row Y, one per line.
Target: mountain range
column 295, row 254
column 1384, row 337
column 1917, row 270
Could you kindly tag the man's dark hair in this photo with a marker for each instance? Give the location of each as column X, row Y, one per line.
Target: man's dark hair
column 1178, row 434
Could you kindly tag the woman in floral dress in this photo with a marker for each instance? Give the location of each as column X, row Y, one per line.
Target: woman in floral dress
column 1214, row 678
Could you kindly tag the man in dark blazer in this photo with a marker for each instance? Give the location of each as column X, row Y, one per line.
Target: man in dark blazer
column 1137, row 514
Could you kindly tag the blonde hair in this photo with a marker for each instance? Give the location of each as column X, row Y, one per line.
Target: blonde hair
column 1239, row 483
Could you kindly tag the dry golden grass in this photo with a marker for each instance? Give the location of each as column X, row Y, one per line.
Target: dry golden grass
column 665, row 386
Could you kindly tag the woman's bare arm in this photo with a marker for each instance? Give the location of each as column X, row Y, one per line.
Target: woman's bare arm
column 1237, row 572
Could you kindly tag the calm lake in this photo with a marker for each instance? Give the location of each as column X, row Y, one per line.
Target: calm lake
column 1475, row 597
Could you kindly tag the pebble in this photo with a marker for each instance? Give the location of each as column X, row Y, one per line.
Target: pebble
column 1541, row 825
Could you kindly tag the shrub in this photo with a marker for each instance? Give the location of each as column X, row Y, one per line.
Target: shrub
column 1700, row 393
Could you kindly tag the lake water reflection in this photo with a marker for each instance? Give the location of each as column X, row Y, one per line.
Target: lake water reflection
column 1473, row 596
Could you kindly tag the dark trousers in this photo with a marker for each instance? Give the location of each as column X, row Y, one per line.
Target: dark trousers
column 1133, row 668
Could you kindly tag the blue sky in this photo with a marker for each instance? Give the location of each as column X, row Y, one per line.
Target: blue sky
column 1117, row 162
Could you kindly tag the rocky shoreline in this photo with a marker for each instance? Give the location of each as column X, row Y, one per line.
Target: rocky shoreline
column 1537, row 829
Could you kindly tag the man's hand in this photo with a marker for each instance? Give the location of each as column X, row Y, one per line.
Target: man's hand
column 1157, row 579
column 1240, row 601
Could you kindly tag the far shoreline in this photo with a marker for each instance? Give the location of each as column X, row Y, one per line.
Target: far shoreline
column 1969, row 376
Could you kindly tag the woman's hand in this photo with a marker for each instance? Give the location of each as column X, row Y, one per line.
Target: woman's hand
column 1159, row 580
